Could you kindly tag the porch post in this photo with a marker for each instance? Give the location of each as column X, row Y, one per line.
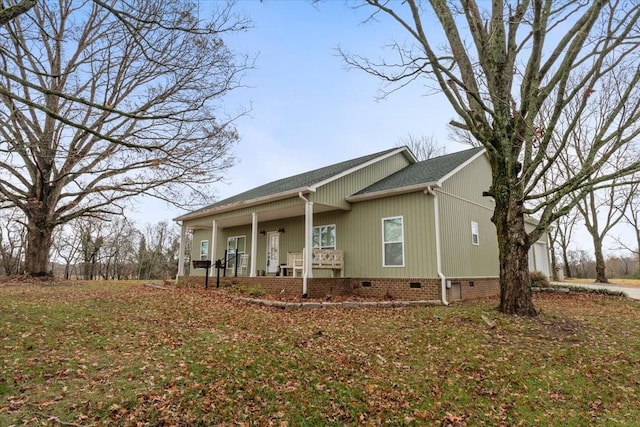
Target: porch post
column 254, row 244
column 183, row 231
column 308, row 250
column 214, row 241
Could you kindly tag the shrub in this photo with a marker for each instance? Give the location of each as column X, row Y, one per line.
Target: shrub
column 190, row 282
column 241, row 289
column 256, row 291
column 538, row 279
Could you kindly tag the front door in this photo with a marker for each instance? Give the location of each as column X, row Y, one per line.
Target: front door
column 273, row 251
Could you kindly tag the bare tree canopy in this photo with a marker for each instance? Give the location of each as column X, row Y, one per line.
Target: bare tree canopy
column 7, row 13
column 424, row 147
column 104, row 100
column 520, row 75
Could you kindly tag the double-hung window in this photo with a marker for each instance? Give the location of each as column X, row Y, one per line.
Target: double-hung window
column 204, row 249
column 324, row 237
column 475, row 237
column 236, row 246
column 393, row 242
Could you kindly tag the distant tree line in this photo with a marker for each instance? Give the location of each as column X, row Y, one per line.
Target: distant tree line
column 582, row 265
column 110, row 248
column 602, row 213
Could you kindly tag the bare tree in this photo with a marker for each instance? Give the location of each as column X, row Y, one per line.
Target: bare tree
column 159, row 246
column 498, row 64
column 14, row 10
column 12, row 242
column 582, row 263
column 91, row 231
column 101, row 101
column 424, row 147
column 620, row 265
column 561, row 235
column 67, row 245
column 599, row 209
column 632, row 218
column 119, row 249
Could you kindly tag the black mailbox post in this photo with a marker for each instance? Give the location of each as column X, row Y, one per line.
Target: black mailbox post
column 206, row 264
column 218, row 265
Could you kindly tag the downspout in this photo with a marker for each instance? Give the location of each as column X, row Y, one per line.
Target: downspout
column 436, row 217
column 307, row 243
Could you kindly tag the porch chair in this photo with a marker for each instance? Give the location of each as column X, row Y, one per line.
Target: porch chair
column 244, row 264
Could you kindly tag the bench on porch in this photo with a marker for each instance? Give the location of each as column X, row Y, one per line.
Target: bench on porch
column 325, row 259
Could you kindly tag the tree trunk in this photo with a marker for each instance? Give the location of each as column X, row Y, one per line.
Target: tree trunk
column 565, row 260
column 601, row 276
column 638, row 249
column 39, row 241
column 554, row 266
column 513, row 245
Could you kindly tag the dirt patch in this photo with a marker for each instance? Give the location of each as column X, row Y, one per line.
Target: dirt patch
column 553, row 328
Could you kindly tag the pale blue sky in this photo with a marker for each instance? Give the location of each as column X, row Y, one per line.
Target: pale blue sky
column 307, row 109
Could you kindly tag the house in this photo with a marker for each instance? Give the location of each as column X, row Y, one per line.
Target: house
column 382, row 225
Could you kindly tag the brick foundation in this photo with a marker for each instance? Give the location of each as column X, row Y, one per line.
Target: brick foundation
column 411, row 289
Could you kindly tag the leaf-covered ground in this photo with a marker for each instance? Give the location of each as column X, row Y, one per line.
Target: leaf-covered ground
column 127, row 354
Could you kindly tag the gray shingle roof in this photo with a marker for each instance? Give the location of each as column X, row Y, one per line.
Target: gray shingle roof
column 423, row 172
column 294, row 182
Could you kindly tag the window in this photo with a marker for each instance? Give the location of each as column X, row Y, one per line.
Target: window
column 324, row 237
column 235, row 247
column 392, row 242
column 475, row 239
column 204, row 249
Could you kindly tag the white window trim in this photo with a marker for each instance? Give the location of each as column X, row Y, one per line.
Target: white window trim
column 319, row 227
column 237, row 237
column 384, row 243
column 475, row 233
column 204, row 243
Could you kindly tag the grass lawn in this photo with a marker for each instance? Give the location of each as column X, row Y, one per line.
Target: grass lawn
column 634, row 283
column 126, row 354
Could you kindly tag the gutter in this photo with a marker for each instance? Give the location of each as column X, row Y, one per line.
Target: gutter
column 216, row 209
column 436, row 214
column 390, row 192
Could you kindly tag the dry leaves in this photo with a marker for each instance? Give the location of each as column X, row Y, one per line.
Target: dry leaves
column 126, row 354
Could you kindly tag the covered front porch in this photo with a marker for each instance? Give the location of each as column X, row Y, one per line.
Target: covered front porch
column 259, row 241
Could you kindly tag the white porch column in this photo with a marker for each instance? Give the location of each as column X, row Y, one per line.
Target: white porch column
column 308, row 243
column 214, row 241
column 183, row 238
column 254, row 244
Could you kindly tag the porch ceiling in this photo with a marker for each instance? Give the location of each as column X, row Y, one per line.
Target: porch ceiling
column 270, row 215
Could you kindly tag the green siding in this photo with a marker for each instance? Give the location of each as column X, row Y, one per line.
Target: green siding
column 358, row 234
column 359, row 230
column 362, row 237
column 335, row 192
column 461, row 202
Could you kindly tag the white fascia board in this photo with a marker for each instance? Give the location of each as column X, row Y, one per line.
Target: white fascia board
column 392, row 192
column 412, row 159
column 461, row 166
column 245, row 203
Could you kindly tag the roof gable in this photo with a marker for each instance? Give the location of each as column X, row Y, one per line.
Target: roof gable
column 427, row 172
column 306, row 181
